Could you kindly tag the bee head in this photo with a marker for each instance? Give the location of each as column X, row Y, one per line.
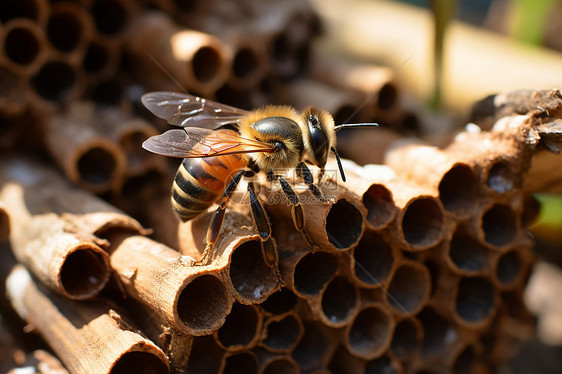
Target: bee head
column 319, row 135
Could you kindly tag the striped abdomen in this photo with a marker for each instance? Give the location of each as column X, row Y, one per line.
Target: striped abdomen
column 199, row 182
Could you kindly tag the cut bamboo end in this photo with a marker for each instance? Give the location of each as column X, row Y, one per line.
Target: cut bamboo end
column 373, row 260
column 409, row 288
column 243, row 362
column 316, row 346
column 466, row 255
column 69, row 30
column 278, row 364
column 56, row 81
column 5, row 226
column 124, row 349
column 205, row 356
column 281, row 333
column 337, row 304
column 497, row 225
column 23, row 46
column 241, row 328
column 100, row 60
column 421, row 222
column 111, row 18
column 194, row 299
column 279, row 302
column 370, row 333
column 476, row 301
column 407, row 338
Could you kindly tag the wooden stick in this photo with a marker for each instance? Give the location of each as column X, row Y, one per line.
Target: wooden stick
column 95, row 338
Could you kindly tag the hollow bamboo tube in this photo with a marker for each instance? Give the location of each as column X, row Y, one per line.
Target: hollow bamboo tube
column 317, row 346
column 387, row 363
column 111, row 18
column 407, row 338
column 343, row 361
column 198, row 61
column 13, row 102
column 70, row 29
column 87, row 157
column 242, row 361
column 276, row 364
column 241, row 328
column 205, row 356
column 465, row 255
column 100, row 61
column 88, row 337
column 71, row 263
column 409, row 289
column 279, row 302
column 56, row 81
column 281, row 333
column 5, row 225
column 337, row 304
column 24, row 46
column 511, row 268
column 370, row 333
column 193, row 299
column 35, row 10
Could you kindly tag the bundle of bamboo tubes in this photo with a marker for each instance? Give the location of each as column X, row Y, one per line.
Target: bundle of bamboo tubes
column 416, row 264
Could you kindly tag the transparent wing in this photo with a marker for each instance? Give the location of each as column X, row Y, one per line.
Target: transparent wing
column 199, row 142
column 185, row 110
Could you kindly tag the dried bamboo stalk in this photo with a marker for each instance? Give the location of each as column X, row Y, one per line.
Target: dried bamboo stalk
column 193, row 299
column 198, row 61
column 87, row 157
column 24, row 46
column 70, row 29
column 241, row 329
column 96, row 339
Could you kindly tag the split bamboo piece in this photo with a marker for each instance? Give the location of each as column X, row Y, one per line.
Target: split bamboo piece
column 198, row 61
column 24, row 46
column 96, row 337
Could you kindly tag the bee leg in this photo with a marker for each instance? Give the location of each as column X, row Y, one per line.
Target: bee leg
column 264, row 228
column 304, row 172
column 296, row 208
column 215, row 225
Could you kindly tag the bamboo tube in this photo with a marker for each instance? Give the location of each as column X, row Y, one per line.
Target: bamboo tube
column 280, row 302
column 439, row 333
column 338, row 303
column 465, row 255
column 111, row 18
column 384, row 364
column 343, row 361
column 409, row 288
column 497, row 225
column 407, row 338
column 5, row 225
column 243, row 362
column 475, row 301
column 96, row 339
column 370, row 333
column 511, row 268
column 447, row 175
column 35, row 10
column 198, row 61
column 281, row 333
column 276, row 364
column 316, row 346
column 101, row 60
column 13, row 102
column 56, row 81
column 241, row 328
column 194, row 299
column 69, row 30
column 68, row 262
column 87, row 157
column 23, row 46
column 206, row 356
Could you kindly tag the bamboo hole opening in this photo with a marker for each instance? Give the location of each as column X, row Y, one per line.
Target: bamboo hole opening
column 409, row 288
column 475, row 299
column 21, row 46
column 109, row 16
column 131, row 143
column 343, row 361
column 54, row 81
column 422, row 223
column 205, row 357
column 240, row 326
column 343, row 224
column 531, row 210
column 466, row 361
column 206, row 64
column 499, row 224
column 370, row 332
column 281, row 366
column 96, row 166
column 283, row 334
column 96, row 57
column 500, row 177
column 387, row 97
column 139, row 362
column 379, row 204
column 187, row 5
column 466, row 253
column 381, row 365
column 438, row 332
column 203, row 303
column 281, row 52
column 373, row 259
column 243, row 362
column 458, row 189
column 251, row 277
column 84, row 273
column 339, row 300
column 280, row 302
column 313, row 346
column 64, row 31
column 245, row 63
column 508, row 268
column 344, row 113
column 10, row 9
column 410, row 122
column 313, row 272
column 405, row 339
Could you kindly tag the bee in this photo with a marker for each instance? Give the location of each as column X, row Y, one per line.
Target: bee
column 220, row 144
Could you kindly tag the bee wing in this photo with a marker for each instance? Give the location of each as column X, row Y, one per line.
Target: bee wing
column 185, row 110
column 199, row 142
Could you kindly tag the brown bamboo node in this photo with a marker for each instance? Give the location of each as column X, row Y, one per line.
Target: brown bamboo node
column 407, row 338
column 409, row 288
column 370, row 333
column 281, row 333
column 373, row 260
column 241, row 329
column 143, row 264
column 35, row 10
column 23, row 46
column 316, row 346
column 85, row 325
column 69, row 29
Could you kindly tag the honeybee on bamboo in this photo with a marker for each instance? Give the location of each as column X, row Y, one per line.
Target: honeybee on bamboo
column 221, row 144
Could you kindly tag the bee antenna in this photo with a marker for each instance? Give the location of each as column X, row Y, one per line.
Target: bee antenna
column 339, row 163
column 351, row 125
